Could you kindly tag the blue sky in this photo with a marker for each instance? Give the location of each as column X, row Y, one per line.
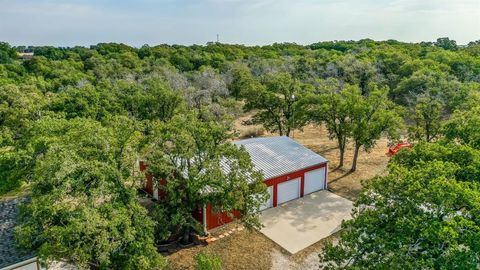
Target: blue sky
column 251, row 22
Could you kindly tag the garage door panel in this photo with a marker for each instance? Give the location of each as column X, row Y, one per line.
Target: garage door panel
column 288, row 191
column 269, row 202
column 314, row 181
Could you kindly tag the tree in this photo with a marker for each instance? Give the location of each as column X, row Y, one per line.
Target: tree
column 428, row 81
column 464, row 126
column 276, row 103
column 465, row 160
column 240, row 80
column 7, row 53
column 155, row 100
column 78, row 102
column 356, row 72
column 446, row 43
column 198, row 165
column 83, row 209
column 371, row 117
column 427, row 117
column 20, row 107
column 207, row 87
column 417, row 217
column 329, row 106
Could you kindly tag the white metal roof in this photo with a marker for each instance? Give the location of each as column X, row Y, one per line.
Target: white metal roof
column 276, row 156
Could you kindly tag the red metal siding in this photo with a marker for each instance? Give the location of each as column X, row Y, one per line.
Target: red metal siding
column 142, row 165
column 302, row 184
column 218, row 219
column 149, row 185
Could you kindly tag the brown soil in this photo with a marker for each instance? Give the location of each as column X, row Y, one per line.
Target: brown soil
column 252, row 250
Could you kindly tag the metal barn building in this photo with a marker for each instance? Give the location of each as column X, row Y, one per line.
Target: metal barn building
column 291, row 171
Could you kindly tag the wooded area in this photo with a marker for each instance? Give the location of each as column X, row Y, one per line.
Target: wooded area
column 75, row 121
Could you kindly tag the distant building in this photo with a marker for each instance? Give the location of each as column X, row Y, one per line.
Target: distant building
column 25, row 55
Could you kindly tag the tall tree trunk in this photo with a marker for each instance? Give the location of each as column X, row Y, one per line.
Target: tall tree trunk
column 427, row 132
column 355, row 158
column 341, row 147
column 280, row 130
column 186, row 236
column 342, row 156
column 287, row 133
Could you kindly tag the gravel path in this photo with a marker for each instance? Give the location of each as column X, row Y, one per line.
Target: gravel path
column 281, row 261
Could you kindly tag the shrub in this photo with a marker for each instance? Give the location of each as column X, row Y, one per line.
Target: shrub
column 253, row 132
column 208, row 262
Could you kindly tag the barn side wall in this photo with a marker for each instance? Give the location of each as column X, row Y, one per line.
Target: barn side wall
column 215, row 220
column 149, row 182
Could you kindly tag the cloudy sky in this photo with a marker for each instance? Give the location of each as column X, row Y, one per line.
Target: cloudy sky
column 138, row 22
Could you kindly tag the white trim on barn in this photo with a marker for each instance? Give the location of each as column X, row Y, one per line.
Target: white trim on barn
column 155, row 188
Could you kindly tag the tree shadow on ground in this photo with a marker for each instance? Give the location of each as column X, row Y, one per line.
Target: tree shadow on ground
column 347, row 173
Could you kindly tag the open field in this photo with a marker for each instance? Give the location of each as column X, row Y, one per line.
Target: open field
column 252, row 250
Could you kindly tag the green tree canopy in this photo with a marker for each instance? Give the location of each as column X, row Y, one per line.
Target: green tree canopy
column 83, row 209
column 418, row 217
column 446, row 43
column 275, row 102
column 200, row 166
column 371, row 117
column 464, row 126
column 329, row 106
column 427, row 117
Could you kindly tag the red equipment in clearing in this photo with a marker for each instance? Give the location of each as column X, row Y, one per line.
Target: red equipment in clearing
column 392, row 151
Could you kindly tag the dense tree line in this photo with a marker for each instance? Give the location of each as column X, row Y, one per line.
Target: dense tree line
column 74, row 122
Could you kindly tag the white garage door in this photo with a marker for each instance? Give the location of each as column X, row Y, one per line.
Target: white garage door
column 314, row 181
column 269, row 202
column 288, row 191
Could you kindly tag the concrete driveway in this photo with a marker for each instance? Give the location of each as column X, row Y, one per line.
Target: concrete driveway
column 300, row 223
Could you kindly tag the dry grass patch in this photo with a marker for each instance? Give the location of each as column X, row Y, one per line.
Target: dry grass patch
column 240, row 250
column 341, row 181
